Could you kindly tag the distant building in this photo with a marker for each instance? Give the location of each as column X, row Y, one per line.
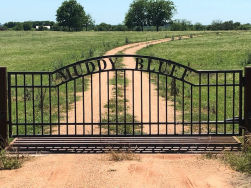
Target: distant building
column 46, row 26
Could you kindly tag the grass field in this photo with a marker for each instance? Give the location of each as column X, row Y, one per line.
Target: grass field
column 221, row 51
column 47, row 50
column 215, row 51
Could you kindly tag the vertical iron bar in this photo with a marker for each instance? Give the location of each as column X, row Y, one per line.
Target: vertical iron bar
column 91, row 105
column 191, row 95
column 75, row 105
column 199, row 103
column 175, row 132
column 83, row 95
column 42, row 104
column 100, row 118
column 158, row 101
column 116, row 102
column 58, row 110
column 208, row 103
column 150, row 106
column 141, row 85
column 108, row 102
column 16, row 104
column 217, row 91
column 25, row 112
column 33, row 105
column 133, row 113
column 67, row 113
column 166, row 107
column 225, row 102
column 50, row 103
column 233, row 103
column 183, row 108
column 125, row 101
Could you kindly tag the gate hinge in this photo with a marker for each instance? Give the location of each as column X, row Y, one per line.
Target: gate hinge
column 243, row 81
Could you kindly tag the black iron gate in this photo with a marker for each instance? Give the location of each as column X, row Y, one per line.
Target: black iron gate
column 102, row 96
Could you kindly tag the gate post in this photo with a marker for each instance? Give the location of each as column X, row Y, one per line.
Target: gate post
column 247, row 99
column 3, row 107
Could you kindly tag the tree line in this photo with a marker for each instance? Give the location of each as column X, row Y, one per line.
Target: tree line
column 142, row 15
column 176, row 25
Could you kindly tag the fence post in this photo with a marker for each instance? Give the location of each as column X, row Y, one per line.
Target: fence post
column 247, row 98
column 3, row 107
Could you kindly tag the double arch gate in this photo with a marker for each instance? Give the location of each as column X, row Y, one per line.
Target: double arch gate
column 103, row 96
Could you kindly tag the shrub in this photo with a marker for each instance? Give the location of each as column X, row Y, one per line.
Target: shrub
column 8, row 162
column 127, row 40
column 91, row 52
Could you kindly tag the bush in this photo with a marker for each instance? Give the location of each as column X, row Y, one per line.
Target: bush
column 127, row 40
column 239, row 161
column 8, row 162
column 3, row 28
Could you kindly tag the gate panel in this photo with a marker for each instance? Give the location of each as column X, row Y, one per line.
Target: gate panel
column 103, row 97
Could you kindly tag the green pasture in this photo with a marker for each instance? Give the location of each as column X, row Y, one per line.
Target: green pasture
column 49, row 50
column 215, row 51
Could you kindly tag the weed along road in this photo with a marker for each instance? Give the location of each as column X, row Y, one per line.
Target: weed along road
column 109, row 170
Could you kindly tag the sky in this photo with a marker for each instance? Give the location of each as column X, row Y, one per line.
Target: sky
column 113, row 11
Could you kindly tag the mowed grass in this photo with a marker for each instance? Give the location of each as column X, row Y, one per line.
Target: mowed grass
column 48, row 50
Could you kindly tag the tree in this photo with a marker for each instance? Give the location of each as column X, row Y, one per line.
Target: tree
column 103, row 27
column 19, row 27
column 199, row 27
column 88, row 21
column 27, row 26
column 137, row 14
column 72, row 15
column 10, row 24
column 181, row 25
column 159, row 12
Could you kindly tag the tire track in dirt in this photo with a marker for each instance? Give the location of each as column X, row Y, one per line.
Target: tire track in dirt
column 153, row 108
column 96, row 170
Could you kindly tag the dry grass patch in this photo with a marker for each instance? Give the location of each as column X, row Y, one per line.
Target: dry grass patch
column 123, row 156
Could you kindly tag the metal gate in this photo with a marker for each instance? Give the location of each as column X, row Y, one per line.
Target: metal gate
column 102, row 96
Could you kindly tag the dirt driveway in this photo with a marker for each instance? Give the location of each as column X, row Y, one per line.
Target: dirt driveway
column 96, row 170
